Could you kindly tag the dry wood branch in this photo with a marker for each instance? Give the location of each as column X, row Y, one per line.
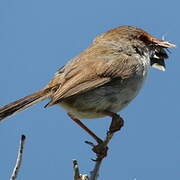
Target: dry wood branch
column 19, row 158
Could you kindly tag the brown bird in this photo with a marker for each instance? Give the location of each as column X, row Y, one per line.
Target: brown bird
column 103, row 79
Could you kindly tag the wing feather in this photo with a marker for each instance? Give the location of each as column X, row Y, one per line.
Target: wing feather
column 89, row 75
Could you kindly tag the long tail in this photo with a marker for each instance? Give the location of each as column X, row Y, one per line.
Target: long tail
column 24, row 103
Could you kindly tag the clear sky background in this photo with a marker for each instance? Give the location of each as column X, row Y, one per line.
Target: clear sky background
column 39, row 36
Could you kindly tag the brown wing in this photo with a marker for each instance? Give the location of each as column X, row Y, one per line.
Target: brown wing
column 81, row 77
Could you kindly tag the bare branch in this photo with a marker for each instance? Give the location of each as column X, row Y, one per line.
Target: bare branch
column 19, row 158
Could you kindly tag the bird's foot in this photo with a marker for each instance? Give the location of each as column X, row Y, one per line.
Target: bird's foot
column 100, row 149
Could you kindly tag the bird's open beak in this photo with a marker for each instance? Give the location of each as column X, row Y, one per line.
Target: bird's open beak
column 157, row 61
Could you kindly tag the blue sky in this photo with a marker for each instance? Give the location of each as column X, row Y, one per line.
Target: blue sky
column 39, row 36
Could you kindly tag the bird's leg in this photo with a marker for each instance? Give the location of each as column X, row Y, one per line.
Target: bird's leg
column 116, row 124
column 93, row 135
column 101, row 148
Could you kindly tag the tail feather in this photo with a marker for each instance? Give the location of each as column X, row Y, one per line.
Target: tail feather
column 23, row 103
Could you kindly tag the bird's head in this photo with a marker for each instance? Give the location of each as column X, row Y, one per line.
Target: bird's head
column 133, row 39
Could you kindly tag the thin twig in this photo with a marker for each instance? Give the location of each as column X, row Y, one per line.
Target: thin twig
column 77, row 175
column 94, row 174
column 76, row 170
column 19, row 158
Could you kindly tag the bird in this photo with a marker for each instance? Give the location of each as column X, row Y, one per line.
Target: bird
column 103, row 79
